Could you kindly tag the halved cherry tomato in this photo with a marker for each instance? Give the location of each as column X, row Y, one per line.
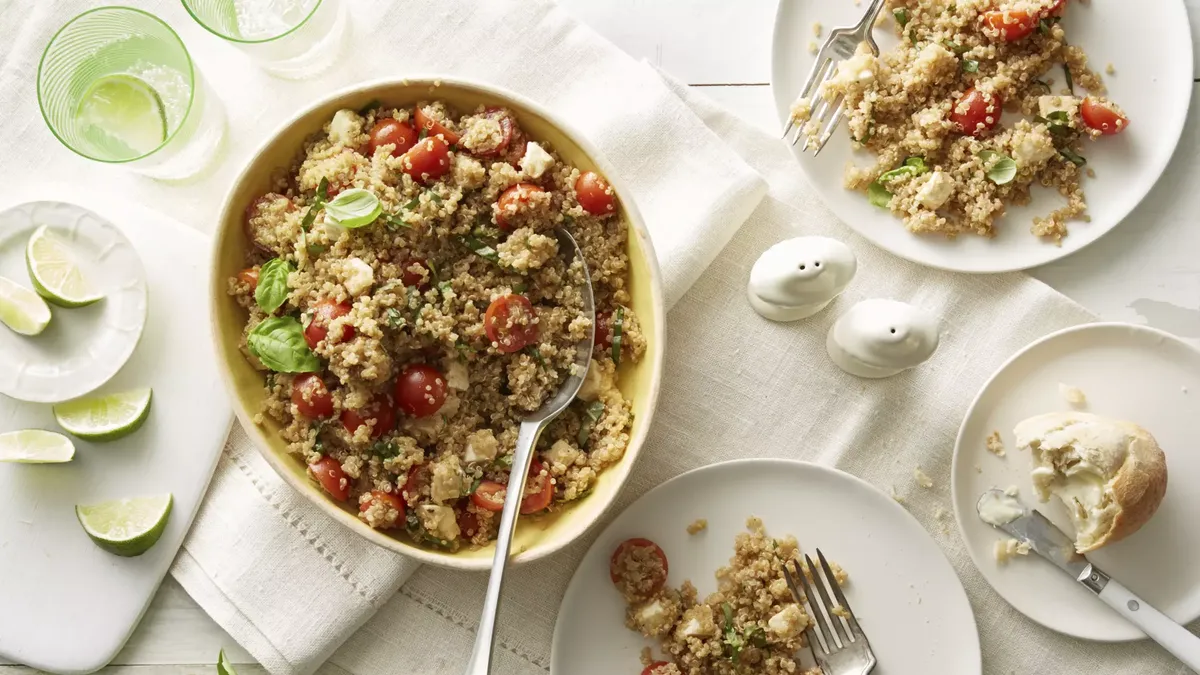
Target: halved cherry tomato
column 428, row 160
column 594, row 194
column 976, row 112
column 486, row 496
column 1013, row 24
column 249, row 276
column 539, row 489
column 329, row 474
column 311, row 396
column 627, row 547
column 252, row 212
column 420, row 390
column 391, row 131
column 512, row 201
column 378, row 411
column 412, row 278
column 468, row 524
column 509, row 323
column 1055, row 9
column 418, row 477
column 386, row 497
column 323, row 314
column 1102, row 116
column 603, row 331
column 433, row 127
column 650, row 669
column 507, row 126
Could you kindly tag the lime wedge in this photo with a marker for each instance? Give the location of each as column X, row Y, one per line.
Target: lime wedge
column 55, row 275
column 126, row 527
column 124, row 115
column 105, row 418
column 34, row 446
column 21, row 309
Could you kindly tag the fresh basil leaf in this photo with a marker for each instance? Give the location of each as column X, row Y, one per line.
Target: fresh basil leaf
column 353, row 208
column 504, row 461
column 480, row 249
column 412, row 204
column 433, row 272
column 901, row 15
column 423, row 134
column 1070, row 80
column 591, row 416
column 1072, row 156
column 878, row 195
column 394, row 318
column 385, row 449
column 1002, row 170
column 970, row 66
column 537, row 355
column 913, row 166
column 272, row 288
column 917, row 163
column 521, row 287
column 1044, row 24
column 394, row 223
column 224, row 667
column 319, row 199
column 435, row 197
column 279, row 343
column 1059, row 117
column 617, row 327
column 955, row 47
column 445, row 287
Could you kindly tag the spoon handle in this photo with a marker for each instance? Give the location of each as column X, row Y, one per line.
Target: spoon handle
column 481, row 657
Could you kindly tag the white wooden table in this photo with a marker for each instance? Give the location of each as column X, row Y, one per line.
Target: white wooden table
column 1145, row 271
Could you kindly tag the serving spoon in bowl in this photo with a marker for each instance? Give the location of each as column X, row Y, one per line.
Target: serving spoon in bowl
column 527, row 437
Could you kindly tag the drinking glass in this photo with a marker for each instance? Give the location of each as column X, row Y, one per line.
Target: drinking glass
column 117, row 85
column 288, row 38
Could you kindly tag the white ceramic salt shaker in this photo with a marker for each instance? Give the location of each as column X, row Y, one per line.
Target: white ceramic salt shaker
column 880, row 338
column 797, row 278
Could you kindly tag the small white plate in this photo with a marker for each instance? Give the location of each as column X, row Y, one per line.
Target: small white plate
column 1127, row 372
column 1153, row 85
column 903, row 590
column 82, row 348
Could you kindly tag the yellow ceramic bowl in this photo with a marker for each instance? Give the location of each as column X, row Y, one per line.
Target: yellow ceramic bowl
column 536, row 537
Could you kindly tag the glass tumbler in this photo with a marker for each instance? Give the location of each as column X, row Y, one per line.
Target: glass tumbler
column 117, row 85
column 288, row 38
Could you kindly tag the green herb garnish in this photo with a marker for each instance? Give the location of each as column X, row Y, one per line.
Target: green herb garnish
column 445, row 287
column 616, row 330
column 537, row 355
column 279, row 344
column 272, row 288
column 1002, row 170
column 970, row 66
column 1045, row 24
column 591, row 415
column 955, row 47
column 394, row 223
column 1070, row 80
column 901, row 15
column 412, row 204
column 504, row 461
column 319, row 199
column 385, row 449
column 521, row 287
column 1072, row 156
column 879, row 195
column 479, row 248
column 353, row 208
column 435, row 196
column 394, row 318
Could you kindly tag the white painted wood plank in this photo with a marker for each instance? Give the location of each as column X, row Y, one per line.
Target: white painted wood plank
column 752, row 103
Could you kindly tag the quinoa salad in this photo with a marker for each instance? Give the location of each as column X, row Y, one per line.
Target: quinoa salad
column 408, row 304
column 752, row 625
column 930, row 110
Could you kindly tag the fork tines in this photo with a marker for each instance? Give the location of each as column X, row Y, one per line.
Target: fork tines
column 836, row 631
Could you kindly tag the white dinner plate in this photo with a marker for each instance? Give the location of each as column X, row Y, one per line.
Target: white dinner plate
column 903, row 590
column 1148, row 43
column 82, row 348
column 1127, row 372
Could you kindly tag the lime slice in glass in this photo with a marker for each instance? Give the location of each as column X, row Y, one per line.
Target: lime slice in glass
column 105, row 418
column 54, row 272
column 34, row 446
column 126, row 527
column 123, row 115
column 21, row 309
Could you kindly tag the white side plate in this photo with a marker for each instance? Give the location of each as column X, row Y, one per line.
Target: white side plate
column 901, row 588
column 82, row 348
column 1127, row 372
column 1153, row 85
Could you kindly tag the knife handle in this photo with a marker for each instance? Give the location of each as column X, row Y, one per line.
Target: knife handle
column 1174, row 638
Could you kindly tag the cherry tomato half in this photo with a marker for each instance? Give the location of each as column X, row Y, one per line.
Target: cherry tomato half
column 513, row 201
column 252, row 212
column 603, row 331
column 249, row 276
column 378, row 411
column 616, row 564
column 488, row 495
column 433, row 127
column 392, row 131
column 388, row 498
column 1102, row 116
column 976, row 113
column 509, row 323
column 418, row 478
column 428, row 160
column 594, row 194
column 468, row 524
column 507, row 126
column 412, row 278
column 1056, row 9
column 1013, row 24
column 311, row 396
column 539, row 489
column 323, row 314
column 420, row 390
column 329, row 474
column 653, row 667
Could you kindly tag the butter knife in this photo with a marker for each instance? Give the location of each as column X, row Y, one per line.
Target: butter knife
column 1051, row 543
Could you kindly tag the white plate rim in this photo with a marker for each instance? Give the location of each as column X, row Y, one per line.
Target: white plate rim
column 121, row 357
column 959, row 444
column 1175, row 133
column 976, row 650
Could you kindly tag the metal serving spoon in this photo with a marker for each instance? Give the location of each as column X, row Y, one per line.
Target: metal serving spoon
column 527, row 437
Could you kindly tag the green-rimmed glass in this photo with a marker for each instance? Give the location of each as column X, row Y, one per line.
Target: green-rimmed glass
column 117, row 85
column 288, row 38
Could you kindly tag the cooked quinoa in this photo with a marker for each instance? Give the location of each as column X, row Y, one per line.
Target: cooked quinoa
column 750, row 626
column 409, row 304
column 930, row 110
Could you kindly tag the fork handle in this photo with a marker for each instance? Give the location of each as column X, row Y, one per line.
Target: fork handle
column 872, row 13
column 1176, row 639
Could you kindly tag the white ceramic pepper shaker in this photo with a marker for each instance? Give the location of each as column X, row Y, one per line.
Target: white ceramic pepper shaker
column 880, row 338
column 798, row 277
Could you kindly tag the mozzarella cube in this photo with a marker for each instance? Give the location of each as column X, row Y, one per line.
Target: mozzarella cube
column 788, row 622
column 346, row 127
column 359, row 277
column 446, row 479
column 1034, row 148
column 1053, row 104
column 697, row 622
column 936, row 190
column 456, row 375
column 438, row 521
column 482, row 446
column 590, row 389
column 562, row 453
column 536, row 160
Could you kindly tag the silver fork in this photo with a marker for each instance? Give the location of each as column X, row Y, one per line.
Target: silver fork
column 841, row 44
column 843, row 648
